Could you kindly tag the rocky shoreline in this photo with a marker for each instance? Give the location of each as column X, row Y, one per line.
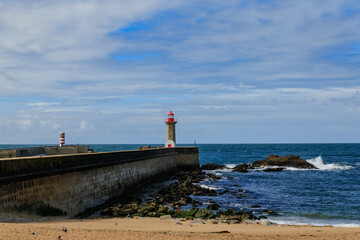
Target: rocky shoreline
column 171, row 201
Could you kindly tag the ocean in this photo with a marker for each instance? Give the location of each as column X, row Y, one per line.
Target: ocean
column 329, row 195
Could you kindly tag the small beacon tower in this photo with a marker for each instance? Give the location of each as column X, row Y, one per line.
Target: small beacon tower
column 62, row 139
column 170, row 130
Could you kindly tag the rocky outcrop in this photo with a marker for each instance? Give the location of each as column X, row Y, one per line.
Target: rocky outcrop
column 242, row 168
column 168, row 201
column 285, row 161
column 274, row 160
column 273, row 169
column 212, row 166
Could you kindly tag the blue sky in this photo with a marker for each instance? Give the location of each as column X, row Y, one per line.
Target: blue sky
column 236, row 71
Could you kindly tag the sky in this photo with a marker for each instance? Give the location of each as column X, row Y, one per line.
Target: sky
column 235, row 71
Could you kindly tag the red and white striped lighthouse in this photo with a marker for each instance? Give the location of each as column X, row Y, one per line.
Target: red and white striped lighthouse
column 62, row 139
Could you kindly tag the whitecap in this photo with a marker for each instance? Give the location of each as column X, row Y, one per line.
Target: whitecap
column 317, row 162
column 321, row 165
column 215, row 172
column 224, row 170
column 210, row 187
column 230, row 165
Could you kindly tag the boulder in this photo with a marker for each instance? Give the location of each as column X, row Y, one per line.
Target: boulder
column 273, row 169
column 267, row 223
column 285, row 161
column 202, row 213
column 270, row 212
column 242, row 168
column 165, row 217
column 214, row 206
column 212, row 166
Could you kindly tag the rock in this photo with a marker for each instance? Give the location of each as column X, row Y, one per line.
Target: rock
column 202, row 213
column 231, row 216
column 213, row 176
column 267, row 223
column 214, row 206
column 270, row 212
column 198, row 220
column 255, row 206
column 245, row 215
column 221, row 232
column 273, row 169
column 192, row 212
column 152, row 214
column 181, row 214
column 285, row 161
column 165, row 217
column 248, row 221
column 229, row 211
column 223, row 192
column 212, row 166
column 242, row 168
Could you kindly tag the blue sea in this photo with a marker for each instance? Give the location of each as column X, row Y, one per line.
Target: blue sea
column 327, row 196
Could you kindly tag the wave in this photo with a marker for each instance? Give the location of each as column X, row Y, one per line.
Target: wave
column 321, row 165
column 210, row 187
column 314, row 223
column 230, row 165
column 318, row 162
column 314, row 219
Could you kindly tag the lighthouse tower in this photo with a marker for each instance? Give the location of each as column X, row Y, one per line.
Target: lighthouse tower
column 170, row 130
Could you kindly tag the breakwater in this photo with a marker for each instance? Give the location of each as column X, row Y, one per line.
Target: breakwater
column 69, row 184
column 43, row 150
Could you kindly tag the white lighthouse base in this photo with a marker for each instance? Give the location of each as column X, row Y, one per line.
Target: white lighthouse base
column 169, row 144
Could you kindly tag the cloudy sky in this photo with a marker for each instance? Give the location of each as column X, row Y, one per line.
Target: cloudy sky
column 234, row 71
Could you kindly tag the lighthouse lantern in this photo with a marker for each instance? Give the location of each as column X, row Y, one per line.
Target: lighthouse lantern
column 170, row 116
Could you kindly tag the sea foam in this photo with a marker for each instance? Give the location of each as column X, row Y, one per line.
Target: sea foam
column 210, row 187
column 230, row 165
column 321, row 165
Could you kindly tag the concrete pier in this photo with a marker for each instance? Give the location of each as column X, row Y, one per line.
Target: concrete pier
column 43, row 150
column 73, row 183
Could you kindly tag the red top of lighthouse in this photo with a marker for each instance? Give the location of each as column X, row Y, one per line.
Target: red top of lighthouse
column 170, row 117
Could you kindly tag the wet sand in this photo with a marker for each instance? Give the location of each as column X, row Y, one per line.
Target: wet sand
column 154, row 228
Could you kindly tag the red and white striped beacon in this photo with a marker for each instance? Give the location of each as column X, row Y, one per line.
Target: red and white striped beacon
column 62, row 139
column 170, row 130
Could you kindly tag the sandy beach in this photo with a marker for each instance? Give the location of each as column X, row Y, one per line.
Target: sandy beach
column 154, row 228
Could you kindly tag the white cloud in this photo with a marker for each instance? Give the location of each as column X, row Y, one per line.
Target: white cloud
column 218, row 63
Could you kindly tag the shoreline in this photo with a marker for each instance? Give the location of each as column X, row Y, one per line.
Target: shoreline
column 155, row 228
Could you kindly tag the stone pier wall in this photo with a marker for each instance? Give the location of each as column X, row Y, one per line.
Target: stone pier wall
column 74, row 183
column 43, row 150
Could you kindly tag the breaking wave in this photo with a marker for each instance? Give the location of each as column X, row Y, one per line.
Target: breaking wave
column 320, row 164
column 210, row 187
column 230, row 165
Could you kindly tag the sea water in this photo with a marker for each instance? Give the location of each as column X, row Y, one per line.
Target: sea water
column 329, row 195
